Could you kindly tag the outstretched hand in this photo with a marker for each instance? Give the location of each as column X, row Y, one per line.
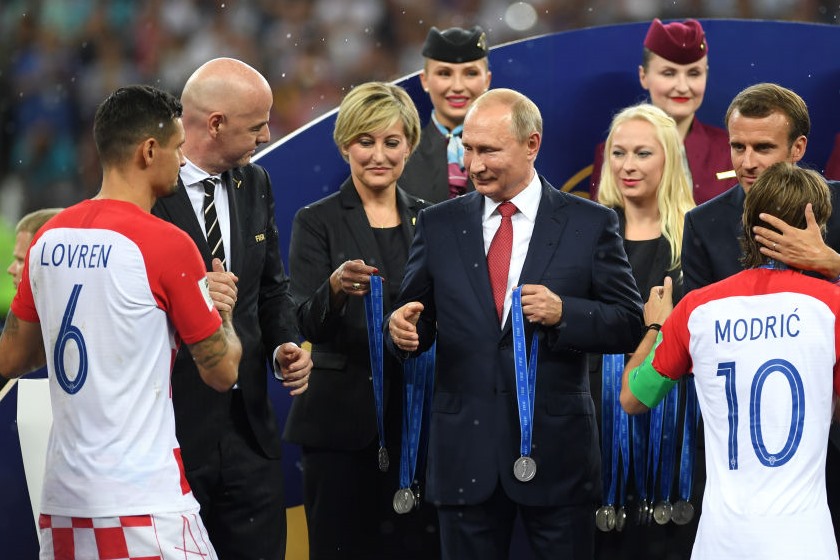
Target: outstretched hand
column 223, row 290
column 402, row 325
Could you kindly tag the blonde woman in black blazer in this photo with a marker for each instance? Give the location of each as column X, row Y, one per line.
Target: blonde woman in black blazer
column 337, row 243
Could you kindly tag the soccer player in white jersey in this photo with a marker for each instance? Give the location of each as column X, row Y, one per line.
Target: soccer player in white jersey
column 108, row 293
column 763, row 346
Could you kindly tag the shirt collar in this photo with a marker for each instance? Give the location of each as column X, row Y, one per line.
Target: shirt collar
column 527, row 202
column 191, row 174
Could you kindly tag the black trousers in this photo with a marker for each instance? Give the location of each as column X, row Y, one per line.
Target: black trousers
column 349, row 511
column 241, row 495
column 483, row 531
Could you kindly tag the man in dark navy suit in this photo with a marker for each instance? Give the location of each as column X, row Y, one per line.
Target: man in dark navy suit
column 767, row 123
column 577, row 296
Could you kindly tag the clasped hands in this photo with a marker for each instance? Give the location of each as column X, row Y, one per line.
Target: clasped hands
column 294, row 362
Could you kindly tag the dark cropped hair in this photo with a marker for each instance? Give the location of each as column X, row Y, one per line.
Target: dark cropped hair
column 130, row 115
column 783, row 190
column 758, row 101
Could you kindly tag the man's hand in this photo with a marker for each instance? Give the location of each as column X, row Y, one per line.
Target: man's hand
column 223, row 288
column 295, row 365
column 403, row 326
column 804, row 249
column 540, row 305
column 660, row 303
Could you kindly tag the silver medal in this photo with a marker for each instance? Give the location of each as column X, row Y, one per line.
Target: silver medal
column 404, row 500
column 524, row 469
column 383, row 459
column 620, row 519
column 605, row 518
column 682, row 513
column 662, row 512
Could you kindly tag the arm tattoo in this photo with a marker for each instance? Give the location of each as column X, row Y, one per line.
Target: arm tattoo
column 210, row 351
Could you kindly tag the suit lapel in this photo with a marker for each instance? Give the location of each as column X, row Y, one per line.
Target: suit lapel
column 468, row 235
column 178, row 210
column 548, row 227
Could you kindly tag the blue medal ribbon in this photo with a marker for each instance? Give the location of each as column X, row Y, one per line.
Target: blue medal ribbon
column 624, row 445
column 692, row 416
column 669, row 443
column 417, row 374
column 613, row 368
column 654, row 442
column 526, row 375
column 608, row 401
column 640, row 424
column 373, row 313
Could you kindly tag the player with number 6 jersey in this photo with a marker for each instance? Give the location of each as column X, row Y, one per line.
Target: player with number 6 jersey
column 764, row 348
column 108, row 294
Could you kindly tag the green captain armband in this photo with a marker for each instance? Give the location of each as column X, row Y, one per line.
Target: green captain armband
column 647, row 384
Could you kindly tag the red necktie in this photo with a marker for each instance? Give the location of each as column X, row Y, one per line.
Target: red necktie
column 498, row 257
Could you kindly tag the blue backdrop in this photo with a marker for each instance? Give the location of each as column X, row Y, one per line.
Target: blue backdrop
column 579, row 79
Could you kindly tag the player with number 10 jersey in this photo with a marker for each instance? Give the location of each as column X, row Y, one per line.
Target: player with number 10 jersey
column 763, row 346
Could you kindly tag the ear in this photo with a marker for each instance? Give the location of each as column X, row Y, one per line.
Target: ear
column 534, row 142
column 487, row 80
column 148, row 150
column 643, row 77
column 214, row 123
column 423, row 81
column 797, row 150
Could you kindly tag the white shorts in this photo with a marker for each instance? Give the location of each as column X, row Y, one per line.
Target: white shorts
column 160, row 536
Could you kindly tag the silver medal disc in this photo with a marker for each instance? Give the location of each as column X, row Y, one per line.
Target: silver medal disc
column 605, row 518
column 620, row 519
column 524, row 469
column 383, row 459
column 403, row 500
column 682, row 513
column 662, row 512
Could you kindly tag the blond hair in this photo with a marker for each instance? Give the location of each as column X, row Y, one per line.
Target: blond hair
column 374, row 107
column 673, row 194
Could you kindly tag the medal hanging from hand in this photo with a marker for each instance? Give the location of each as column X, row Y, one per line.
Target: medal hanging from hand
column 524, row 468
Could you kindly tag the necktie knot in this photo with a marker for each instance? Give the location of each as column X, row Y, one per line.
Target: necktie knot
column 507, row 209
column 209, row 187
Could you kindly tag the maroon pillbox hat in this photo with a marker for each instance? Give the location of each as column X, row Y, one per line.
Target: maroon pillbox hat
column 680, row 42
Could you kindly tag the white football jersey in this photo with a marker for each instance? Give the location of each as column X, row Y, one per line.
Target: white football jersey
column 763, row 347
column 115, row 290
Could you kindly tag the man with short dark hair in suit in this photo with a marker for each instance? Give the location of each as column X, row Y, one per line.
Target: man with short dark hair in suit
column 767, row 124
column 485, row 466
column 230, row 441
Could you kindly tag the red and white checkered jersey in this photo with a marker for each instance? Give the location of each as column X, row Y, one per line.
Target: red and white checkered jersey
column 763, row 346
column 114, row 288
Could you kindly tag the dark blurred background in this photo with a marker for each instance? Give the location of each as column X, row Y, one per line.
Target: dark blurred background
column 60, row 58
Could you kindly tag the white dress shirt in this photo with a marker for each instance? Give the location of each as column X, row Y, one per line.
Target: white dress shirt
column 192, row 177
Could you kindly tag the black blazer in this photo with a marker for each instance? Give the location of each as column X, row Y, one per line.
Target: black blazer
column 263, row 316
column 711, row 238
column 337, row 411
column 426, row 173
column 576, row 252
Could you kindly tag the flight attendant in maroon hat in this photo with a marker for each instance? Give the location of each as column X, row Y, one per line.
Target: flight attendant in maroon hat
column 674, row 70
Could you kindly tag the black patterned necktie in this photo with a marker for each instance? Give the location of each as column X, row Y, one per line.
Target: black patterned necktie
column 211, row 222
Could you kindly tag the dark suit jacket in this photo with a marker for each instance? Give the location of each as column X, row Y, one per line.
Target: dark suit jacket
column 576, row 252
column 711, row 248
column 263, row 316
column 707, row 150
column 426, row 173
column 337, row 411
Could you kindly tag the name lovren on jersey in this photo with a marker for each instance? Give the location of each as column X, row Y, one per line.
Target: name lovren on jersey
column 76, row 255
